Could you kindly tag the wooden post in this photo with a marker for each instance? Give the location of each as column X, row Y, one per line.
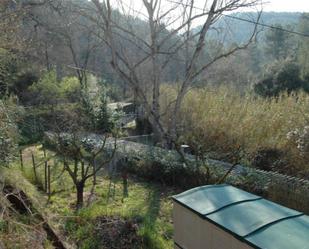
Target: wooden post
column 21, row 159
column 45, row 176
column 49, row 188
column 94, row 172
column 45, row 171
column 44, row 151
column 34, row 168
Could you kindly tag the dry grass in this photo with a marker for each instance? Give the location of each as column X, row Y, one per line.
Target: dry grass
column 222, row 118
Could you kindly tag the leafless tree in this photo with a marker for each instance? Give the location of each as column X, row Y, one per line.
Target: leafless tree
column 83, row 156
column 85, row 162
column 58, row 20
column 170, row 30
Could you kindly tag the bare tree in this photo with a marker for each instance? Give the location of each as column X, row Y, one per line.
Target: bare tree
column 170, row 39
column 85, row 156
column 58, row 20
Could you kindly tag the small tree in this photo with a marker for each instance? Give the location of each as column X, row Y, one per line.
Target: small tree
column 303, row 46
column 104, row 122
column 83, row 155
column 278, row 43
column 88, row 156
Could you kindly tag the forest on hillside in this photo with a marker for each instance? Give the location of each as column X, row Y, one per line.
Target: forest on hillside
column 108, row 109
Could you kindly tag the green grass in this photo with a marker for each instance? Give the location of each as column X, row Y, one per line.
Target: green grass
column 21, row 231
column 147, row 203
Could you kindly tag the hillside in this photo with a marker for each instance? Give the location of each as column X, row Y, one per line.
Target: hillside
column 112, row 110
column 240, row 31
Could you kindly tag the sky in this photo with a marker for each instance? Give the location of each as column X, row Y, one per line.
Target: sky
column 268, row 5
column 286, row 5
column 137, row 8
column 279, row 5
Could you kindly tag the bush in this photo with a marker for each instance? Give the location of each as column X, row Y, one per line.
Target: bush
column 283, row 77
column 31, row 127
column 8, row 132
column 104, row 120
column 46, row 90
column 8, row 71
column 167, row 168
column 20, row 87
column 269, row 159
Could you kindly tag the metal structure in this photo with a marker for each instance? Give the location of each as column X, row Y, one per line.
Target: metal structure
column 225, row 217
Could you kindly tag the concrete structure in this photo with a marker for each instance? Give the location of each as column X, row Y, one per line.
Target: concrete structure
column 224, row 217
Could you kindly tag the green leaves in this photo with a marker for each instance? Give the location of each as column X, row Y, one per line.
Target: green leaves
column 8, row 132
column 283, row 76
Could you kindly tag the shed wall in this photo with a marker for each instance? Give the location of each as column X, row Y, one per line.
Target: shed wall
column 193, row 232
column 187, row 228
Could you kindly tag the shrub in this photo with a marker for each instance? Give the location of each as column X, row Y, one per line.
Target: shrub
column 46, row 90
column 8, row 132
column 8, row 70
column 283, row 77
column 104, row 120
column 70, row 89
column 167, row 168
column 270, row 159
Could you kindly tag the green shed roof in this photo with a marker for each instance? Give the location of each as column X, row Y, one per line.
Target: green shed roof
column 258, row 222
column 208, row 199
column 287, row 234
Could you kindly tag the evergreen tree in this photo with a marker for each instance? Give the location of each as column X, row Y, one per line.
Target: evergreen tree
column 104, row 122
column 282, row 76
column 279, row 43
column 303, row 47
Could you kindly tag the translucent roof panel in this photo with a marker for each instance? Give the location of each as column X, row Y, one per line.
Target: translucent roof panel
column 208, row 199
column 250, row 218
column 286, row 234
column 245, row 218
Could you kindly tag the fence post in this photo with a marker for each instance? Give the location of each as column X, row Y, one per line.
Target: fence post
column 48, row 174
column 21, row 159
column 34, row 168
column 94, row 172
column 45, row 171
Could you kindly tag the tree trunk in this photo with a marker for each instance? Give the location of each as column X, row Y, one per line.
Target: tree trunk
column 80, row 195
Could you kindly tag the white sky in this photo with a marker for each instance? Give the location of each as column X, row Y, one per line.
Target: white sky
column 278, row 5
column 137, row 8
column 268, row 5
column 287, row 5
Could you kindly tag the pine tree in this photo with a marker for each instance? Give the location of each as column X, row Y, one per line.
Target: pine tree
column 303, row 47
column 104, row 123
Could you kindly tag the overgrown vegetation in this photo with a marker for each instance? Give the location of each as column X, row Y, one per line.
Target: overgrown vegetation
column 241, row 99
column 222, row 120
column 8, row 131
column 21, row 222
column 139, row 214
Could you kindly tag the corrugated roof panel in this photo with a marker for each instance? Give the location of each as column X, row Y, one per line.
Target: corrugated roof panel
column 254, row 220
column 208, row 199
column 247, row 217
column 286, row 234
